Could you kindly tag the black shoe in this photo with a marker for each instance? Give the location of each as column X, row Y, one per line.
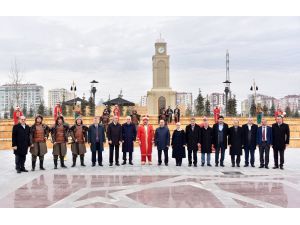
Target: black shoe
column 166, row 164
column 93, row 164
column 33, row 165
column 217, row 165
column 159, row 164
column 82, row 161
column 130, row 163
column 124, row 163
column 190, row 164
column 252, row 165
column 232, row 165
column 110, row 164
column 266, row 167
column 117, row 164
column 281, row 167
column 202, row 164
column 62, row 163
column 261, row 166
column 24, row 170
column 222, row 165
column 209, row 165
column 55, row 164
column 275, row 167
column 238, row 165
column 42, row 165
column 100, row 164
column 195, row 165
column 246, row 165
column 177, row 164
column 18, row 171
column 74, row 161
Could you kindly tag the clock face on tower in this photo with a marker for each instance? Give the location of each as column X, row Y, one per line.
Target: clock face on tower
column 161, row 50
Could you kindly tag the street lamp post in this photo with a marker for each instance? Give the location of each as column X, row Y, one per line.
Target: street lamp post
column 94, row 89
column 253, row 88
column 74, row 89
column 227, row 90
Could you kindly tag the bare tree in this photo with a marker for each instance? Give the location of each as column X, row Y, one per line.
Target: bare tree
column 15, row 81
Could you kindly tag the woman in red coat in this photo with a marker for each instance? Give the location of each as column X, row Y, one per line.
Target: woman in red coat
column 17, row 114
column 145, row 137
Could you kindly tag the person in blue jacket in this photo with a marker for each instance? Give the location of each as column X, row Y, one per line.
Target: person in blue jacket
column 96, row 139
column 162, row 141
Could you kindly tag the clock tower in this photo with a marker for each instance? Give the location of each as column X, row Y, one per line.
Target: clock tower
column 161, row 94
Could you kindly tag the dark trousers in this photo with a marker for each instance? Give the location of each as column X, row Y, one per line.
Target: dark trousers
column 264, row 152
column 219, row 149
column 251, row 152
column 166, row 157
column 125, row 158
column 94, row 154
column 170, row 119
column 192, row 154
column 235, row 159
column 178, row 161
column 113, row 148
column 277, row 152
column 20, row 161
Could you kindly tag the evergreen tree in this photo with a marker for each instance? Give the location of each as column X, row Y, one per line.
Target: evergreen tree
column 296, row 113
column 91, row 106
column 188, row 111
column 50, row 111
column 232, row 111
column 200, row 105
column 24, row 110
column 253, row 108
column 83, row 107
column 288, row 111
column 11, row 112
column 272, row 109
column 31, row 112
column 207, row 108
column 265, row 110
column 41, row 109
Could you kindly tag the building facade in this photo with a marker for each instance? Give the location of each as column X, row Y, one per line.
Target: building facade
column 58, row 95
column 23, row 95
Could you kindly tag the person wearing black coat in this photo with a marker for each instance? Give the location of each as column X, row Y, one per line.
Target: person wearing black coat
column 114, row 136
column 21, row 143
column 249, row 141
column 178, row 144
column 235, row 142
column 220, row 134
column 206, row 137
column 280, row 139
column 192, row 134
column 128, row 139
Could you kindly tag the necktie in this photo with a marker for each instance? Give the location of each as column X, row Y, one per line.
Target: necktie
column 264, row 134
column 97, row 135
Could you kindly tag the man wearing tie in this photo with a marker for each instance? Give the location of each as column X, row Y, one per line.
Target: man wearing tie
column 280, row 140
column 264, row 142
column 249, row 141
column 96, row 139
column 220, row 133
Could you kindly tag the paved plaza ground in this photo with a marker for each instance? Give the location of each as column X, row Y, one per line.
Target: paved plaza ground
column 149, row 186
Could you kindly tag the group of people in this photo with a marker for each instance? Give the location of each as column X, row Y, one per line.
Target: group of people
column 195, row 138
column 167, row 115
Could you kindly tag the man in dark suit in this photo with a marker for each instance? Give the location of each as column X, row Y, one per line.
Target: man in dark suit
column 192, row 134
column 280, row 140
column 235, row 143
column 249, row 141
column 96, row 139
column 264, row 142
column 114, row 136
column 21, row 143
column 220, row 133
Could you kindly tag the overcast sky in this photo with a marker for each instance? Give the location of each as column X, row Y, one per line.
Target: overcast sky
column 117, row 51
